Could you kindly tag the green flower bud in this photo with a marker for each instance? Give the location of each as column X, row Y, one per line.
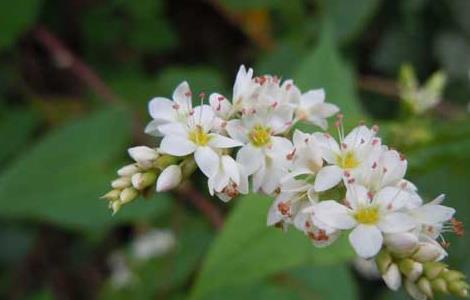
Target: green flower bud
column 121, row 183
column 115, row 206
column 458, row 288
column 142, row 180
column 439, row 285
column 112, row 195
column 411, row 269
column 425, row 286
column 383, row 260
column 165, row 160
column 451, row 275
column 188, row 167
column 128, row 194
column 433, row 269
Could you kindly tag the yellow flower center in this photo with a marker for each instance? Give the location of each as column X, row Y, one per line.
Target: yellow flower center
column 260, row 136
column 367, row 215
column 198, row 136
column 347, row 161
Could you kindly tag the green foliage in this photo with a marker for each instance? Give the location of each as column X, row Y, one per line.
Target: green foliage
column 16, row 127
column 324, row 68
column 350, row 18
column 247, row 250
column 60, row 179
column 15, row 18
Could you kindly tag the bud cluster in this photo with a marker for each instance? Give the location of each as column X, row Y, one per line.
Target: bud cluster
column 323, row 186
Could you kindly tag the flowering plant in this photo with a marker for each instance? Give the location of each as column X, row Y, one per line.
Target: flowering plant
column 322, row 186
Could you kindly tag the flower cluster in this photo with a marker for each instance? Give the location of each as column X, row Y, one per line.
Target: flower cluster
column 322, row 185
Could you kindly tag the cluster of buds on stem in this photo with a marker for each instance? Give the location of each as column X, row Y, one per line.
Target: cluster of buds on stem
column 422, row 276
column 151, row 169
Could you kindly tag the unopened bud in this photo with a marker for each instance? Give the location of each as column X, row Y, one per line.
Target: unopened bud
column 115, row 206
column 439, row 285
column 165, row 160
column 128, row 170
column 384, row 260
column 142, row 180
column 111, row 195
column 451, row 275
column 188, row 167
column 425, row 286
column 433, row 269
column 169, row 178
column 401, row 244
column 392, row 277
column 428, row 252
column 411, row 269
column 143, row 154
column 414, row 291
column 458, row 288
column 121, row 183
column 128, row 194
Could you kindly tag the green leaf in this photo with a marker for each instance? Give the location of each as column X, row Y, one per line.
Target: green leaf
column 350, row 17
column 248, row 250
column 16, row 127
column 250, row 4
column 61, row 178
column 15, row 18
column 324, row 68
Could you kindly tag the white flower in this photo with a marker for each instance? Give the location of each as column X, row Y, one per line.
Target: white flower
column 369, row 217
column 388, row 170
column 227, row 171
column 264, row 154
column 169, row 178
column 232, row 189
column 312, row 108
column 195, row 137
column 392, row 277
column 307, row 158
column 165, row 111
column 358, row 150
column 432, row 216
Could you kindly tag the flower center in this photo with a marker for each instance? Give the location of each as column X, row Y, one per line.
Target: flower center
column 260, row 136
column 198, row 136
column 347, row 161
column 367, row 215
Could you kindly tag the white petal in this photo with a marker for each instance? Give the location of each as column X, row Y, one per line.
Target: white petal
column 162, row 109
column 237, row 131
column 207, row 160
column 334, row 214
column 250, row 158
column 220, row 141
column 326, row 110
column 396, row 222
column 396, row 167
column 176, row 145
column 433, row 214
column 329, row 147
column 312, row 97
column 169, row 178
column 280, row 146
column 359, row 135
column 230, row 167
column 204, row 117
column 357, row 195
column 327, row 178
column 366, row 240
column 220, row 105
column 182, row 96
column 152, row 127
column 173, row 129
column 401, row 243
column 391, row 198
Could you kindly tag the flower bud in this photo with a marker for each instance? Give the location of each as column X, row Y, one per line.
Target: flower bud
column 458, row 288
column 425, row 286
column 121, row 183
column 165, row 160
column 143, row 154
column 111, row 195
column 169, row 178
column 128, row 194
column 142, row 180
column 451, row 275
column 414, row 291
column 392, row 277
column 115, row 206
column 428, row 252
column 128, row 170
column 439, row 285
column 384, row 260
column 411, row 269
column 433, row 269
column 401, row 244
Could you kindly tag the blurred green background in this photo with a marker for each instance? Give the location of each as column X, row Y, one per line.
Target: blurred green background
column 75, row 79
